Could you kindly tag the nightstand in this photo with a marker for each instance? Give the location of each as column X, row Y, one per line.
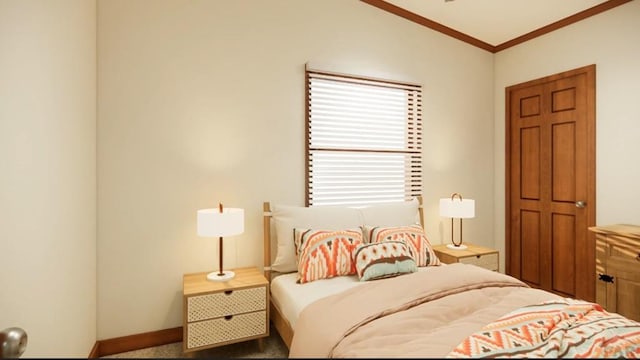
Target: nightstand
column 473, row 254
column 221, row 313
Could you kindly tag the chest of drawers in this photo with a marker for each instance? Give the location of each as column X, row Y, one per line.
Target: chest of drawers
column 220, row 313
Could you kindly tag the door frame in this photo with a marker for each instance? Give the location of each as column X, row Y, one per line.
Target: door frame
column 590, row 72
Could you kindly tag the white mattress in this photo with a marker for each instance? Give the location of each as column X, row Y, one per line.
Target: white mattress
column 291, row 298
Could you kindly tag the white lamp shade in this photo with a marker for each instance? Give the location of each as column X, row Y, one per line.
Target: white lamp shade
column 457, row 208
column 213, row 223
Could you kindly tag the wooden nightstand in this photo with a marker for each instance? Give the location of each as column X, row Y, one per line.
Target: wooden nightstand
column 220, row 313
column 474, row 254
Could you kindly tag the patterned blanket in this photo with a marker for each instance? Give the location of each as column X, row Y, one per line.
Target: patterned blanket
column 565, row 328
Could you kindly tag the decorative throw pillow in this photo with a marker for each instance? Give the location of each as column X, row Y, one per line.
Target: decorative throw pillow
column 323, row 254
column 383, row 259
column 286, row 218
column 413, row 236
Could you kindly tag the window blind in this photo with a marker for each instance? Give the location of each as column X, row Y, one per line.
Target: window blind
column 364, row 140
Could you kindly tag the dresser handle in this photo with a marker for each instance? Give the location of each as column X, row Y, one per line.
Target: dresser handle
column 638, row 257
column 228, row 317
column 606, row 278
column 228, row 292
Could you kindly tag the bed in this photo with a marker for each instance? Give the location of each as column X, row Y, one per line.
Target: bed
column 433, row 310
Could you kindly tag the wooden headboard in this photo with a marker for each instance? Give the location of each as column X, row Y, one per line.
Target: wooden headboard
column 266, row 233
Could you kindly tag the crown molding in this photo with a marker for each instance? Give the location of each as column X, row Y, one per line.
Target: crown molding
column 393, row 9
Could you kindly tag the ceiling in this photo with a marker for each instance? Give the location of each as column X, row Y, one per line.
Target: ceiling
column 495, row 24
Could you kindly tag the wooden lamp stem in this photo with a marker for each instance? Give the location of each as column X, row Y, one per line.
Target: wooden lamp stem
column 220, row 272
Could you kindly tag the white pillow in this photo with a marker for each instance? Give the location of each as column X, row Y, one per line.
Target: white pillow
column 286, row 218
column 391, row 214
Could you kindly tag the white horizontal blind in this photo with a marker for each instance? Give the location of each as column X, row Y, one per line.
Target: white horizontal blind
column 364, row 140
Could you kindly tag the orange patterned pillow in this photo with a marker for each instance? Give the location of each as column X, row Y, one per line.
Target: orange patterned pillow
column 413, row 235
column 323, row 254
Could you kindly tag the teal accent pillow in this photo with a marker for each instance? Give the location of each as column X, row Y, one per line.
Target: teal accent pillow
column 383, row 260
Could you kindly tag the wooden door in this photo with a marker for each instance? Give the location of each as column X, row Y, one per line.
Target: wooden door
column 550, row 170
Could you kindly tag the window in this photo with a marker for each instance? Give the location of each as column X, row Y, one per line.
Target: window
column 364, row 140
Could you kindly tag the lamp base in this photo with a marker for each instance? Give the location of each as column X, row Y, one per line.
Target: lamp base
column 225, row 276
column 460, row 247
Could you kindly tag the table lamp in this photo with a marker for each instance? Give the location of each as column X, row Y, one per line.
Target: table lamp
column 456, row 207
column 218, row 223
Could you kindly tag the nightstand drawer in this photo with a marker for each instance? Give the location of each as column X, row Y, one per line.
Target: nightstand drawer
column 488, row 261
column 226, row 329
column 226, row 303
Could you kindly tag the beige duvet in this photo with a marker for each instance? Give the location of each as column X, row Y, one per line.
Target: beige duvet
column 422, row 314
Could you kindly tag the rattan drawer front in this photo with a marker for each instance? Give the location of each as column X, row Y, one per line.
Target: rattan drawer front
column 488, row 261
column 219, row 304
column 234, row 328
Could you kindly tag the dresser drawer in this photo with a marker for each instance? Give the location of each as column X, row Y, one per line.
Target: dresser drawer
column 226, row 303
column 487, row 261
column 620, row 247
column 226, row 329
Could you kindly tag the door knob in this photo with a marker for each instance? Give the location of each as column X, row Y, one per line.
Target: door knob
column 13, row 342
column 580, row 204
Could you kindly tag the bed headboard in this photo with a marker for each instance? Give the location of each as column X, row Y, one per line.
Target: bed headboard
column 267, row 233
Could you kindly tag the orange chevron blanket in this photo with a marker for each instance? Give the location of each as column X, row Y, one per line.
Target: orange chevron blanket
column 564, row 328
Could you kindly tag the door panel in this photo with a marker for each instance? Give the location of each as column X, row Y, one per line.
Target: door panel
column 564, row 247
column 550, row 166
column 530, row 106
column 530, row 163
column 563, row 99
column 531, row 246
column 563, row 152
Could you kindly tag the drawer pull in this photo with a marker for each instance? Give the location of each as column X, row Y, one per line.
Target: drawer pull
column 477, row 256
column 228, row 317
column 638, row 257
column 606, row 278
column 228, row 292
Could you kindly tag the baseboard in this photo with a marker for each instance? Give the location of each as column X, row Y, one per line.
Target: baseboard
column 135, row 342
column 95, row 352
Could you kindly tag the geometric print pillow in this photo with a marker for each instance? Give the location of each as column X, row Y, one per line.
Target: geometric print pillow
column 323, row 254
column 382, row 260
column 412, row 235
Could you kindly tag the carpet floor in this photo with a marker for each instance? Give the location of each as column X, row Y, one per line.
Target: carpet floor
column 274, row 348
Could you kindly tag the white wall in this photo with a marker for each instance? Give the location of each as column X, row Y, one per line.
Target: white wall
column 48, row 174
column 610, row 40
column 202, row 102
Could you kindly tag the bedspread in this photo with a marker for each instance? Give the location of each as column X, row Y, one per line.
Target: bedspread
column 423, row 314
column 565, row 328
